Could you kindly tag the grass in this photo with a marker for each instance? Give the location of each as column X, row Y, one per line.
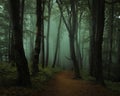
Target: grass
column 43, row 77
column 113, row 86
column 8, row 76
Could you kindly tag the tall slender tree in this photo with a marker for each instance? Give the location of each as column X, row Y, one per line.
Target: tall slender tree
column 118, row 57
column 92, row 7
column 50, row 4
column 110, row 34
column 57, row 43
column 39, row 13
column 43, row 44
column 72, row 28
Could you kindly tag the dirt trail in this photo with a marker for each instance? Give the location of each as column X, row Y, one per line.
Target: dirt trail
column 64, row 85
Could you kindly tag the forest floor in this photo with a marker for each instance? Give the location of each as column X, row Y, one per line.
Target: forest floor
column 64, row 85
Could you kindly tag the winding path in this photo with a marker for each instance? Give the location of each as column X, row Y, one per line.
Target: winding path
column 64, row 85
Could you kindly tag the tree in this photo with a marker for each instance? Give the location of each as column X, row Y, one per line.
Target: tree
column 92, row 7
column 20, row 59
column 50, row 4
column 57, row 43
column 72, row 28
column 118, row 57
column 39, row 13
column 43, row 44
column 110, row 34
column 97, row 11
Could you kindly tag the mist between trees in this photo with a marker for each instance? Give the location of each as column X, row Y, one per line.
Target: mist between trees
column 70, row 34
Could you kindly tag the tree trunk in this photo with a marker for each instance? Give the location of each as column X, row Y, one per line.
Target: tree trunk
column 99, row 40
column 48, row 31
column 72, row 34
column 118, row 57
column 73, row 57
column 78, row 43
column 39, row 12
column 20, row 59
column 78, row 53
column 110, row 40
column 96, row 67
column 72, row 28
column 43, row 44
column 11, row 57
column 92, row 38
column 57, row 43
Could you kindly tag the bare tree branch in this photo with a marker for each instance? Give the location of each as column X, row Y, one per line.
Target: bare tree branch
column 60, row 7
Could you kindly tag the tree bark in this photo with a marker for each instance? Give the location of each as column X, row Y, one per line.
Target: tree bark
column 72, row 34
column 92, row 38
column 39, row 13
column 96, row 67
column 20, row 59
column 99, row 40
column 118, row 57
column 110, row 39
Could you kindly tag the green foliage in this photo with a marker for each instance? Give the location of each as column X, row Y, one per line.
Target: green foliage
column 43, row 77
column 7, row 74
column 115, row 86
column 8, row 78
column 86, row 75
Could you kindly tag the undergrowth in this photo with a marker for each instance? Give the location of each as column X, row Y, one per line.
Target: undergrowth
column 8, row 76
column 43, row 77
column 8, row 79
column 113, row 86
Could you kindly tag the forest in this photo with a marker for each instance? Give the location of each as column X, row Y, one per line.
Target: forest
column 59, row 47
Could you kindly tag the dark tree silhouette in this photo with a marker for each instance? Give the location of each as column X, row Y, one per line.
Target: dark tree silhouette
column 97, row 10
column 39, row 13
column 72, row 28
column 110, row 35
column 20, row 59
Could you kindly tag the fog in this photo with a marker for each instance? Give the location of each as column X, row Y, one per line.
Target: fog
column 64, row 59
